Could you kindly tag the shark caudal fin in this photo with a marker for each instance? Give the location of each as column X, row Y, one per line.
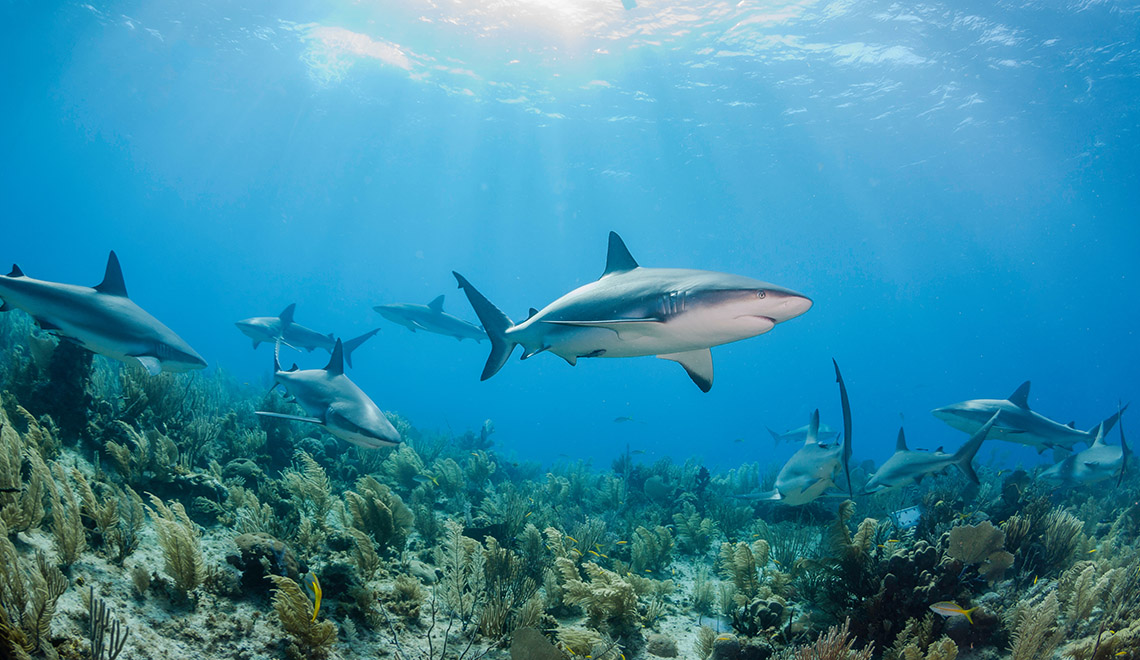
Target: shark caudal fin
column 353, row 344
column 964, row 457
column 843, row 400
column 1110, row 421
column 495, row 323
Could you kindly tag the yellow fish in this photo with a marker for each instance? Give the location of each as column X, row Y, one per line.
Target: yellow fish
column 313, row 586
column 622, row 542
column 572, row 538
column 950, row 609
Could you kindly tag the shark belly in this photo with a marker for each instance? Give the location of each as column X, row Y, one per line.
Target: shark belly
column 680, row 334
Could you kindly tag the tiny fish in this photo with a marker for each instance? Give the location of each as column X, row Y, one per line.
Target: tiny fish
column 1092, row 551
column 1120, row 653
column 572, row 538
column 622, row 542
column 738, row 440
column 624, row 418
column 594, row 553
column 950, row 609
column 528, row 514
column 637, row 451
column 1035, row 580
column 10, row 490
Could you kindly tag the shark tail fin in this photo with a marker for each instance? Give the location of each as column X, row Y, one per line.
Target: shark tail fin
column 846, row 404
column 964, row 457
column 495, row 323
column 1110, row 421
column 353, row 344
column 775, row 438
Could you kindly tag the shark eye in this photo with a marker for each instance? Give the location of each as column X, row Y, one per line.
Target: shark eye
column 761, row 294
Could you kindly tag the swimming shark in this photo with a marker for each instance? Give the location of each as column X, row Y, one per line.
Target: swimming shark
column 675, row 314
column 812, row 470
column 269, row 328
column 1098, row 463
column 1018, row 423
column 797, row 435
column 905, row 467
column 431, row 318
column 334, row 402
column 101, row 319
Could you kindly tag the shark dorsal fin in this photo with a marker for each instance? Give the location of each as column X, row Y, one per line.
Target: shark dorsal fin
column 436, row 305
column 531, row 314
column 16, row 272
column 618, row 258
column 112, row 283
column 1020, row 396
column 939, row 449
column 286, row 314
column 812, row 436
column 900, row 443
column 1099, row 433
column 336, row 362
column 1072, row 425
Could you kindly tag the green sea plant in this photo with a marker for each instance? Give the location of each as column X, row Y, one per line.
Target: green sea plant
column 652, row 549
column 68, row 532
column 461, row 589
column 28, row 596
column 296, row 613
column 180, row 542
column 694, row 532
column 308, row 485
column 587, row 643
column 375, row 510
column 21, row 497
column 835, row 644
column 607, row 599
column 403, row 466
column 1036, row 627
column 1084, row 585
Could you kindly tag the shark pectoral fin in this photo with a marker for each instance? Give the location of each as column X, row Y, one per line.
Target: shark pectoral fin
column 1092, row 464
column 5, row 307
column 572, row 360
column 256, row 343
column 293, row 418
column 531, row 352
column 150, row 363
column 698, row 364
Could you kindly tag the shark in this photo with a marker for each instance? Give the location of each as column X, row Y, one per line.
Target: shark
column 676, row 314
column 333, row 401
column 431, row 318
column 1099, row 462
column 812, row 470
column 269, row 329
column 797, row 435
column 1018, row 423
column 101, row 319
column 905, row 466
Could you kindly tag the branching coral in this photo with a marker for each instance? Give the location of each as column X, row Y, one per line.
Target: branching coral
column 1036, row 631
column 835, row 644
column 652, row 549
column 28, row 595
column 606, row 599
column 308, row 483
column 21, row 500
column 694, row 532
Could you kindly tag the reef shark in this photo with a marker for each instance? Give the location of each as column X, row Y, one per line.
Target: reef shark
column 334, row 402
column 101, row 319
column 797, row 435
column 431, row 318
column 905, row 467
column 812, row 470
column 675, row 314
column 1098, row 463
column 1018, row 423
column 269, row 329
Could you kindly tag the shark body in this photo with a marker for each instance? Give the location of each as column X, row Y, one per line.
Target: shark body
column 431, row 318
column 268, row 329
column 333, row 401
column 101, row 319
column 1099, row 462
column 675, row 314
column 906, row 467
column 797, row 435
column 1018, row 423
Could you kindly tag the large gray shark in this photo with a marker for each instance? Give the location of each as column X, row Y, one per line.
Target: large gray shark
column 334, row 402
column 269, row 329
column 812, row 470
column 1018, row 423
column 101, row 319
column 431, row 318
column 1098, row 463
column 675, row 314
column 906, row 467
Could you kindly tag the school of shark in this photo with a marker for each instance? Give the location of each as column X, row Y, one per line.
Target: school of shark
column 191, row 499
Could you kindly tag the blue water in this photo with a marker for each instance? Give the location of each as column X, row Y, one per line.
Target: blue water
column 954, row 184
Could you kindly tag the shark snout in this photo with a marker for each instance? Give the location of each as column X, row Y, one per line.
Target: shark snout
column 786, row 305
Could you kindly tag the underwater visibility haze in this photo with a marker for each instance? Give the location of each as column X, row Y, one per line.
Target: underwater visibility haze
column 902, row 237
